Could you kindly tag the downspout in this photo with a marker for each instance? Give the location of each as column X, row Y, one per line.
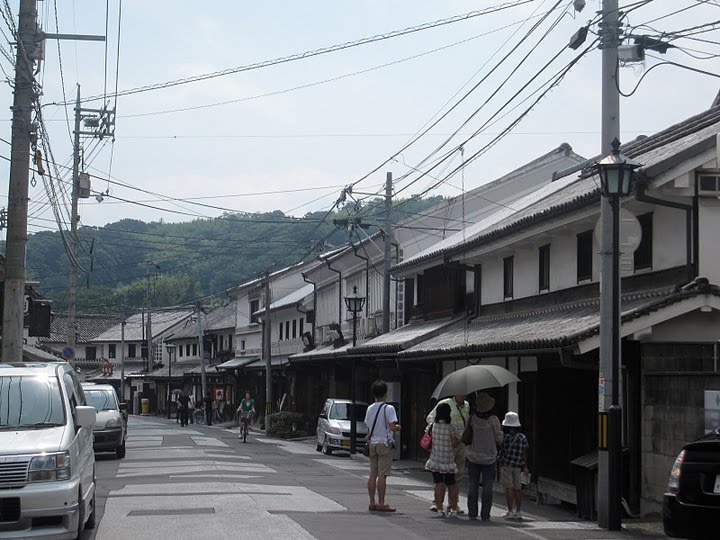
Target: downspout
column 306, row 280
column 691, row 225
column 367, row 278
column 340, row 299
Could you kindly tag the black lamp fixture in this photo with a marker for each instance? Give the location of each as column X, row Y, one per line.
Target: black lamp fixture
column 354, row 305
column 170, row 348
column 617, row 172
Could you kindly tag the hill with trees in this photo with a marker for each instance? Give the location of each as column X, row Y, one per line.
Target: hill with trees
column 172, row 263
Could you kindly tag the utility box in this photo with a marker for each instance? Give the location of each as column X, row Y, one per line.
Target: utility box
column 83, row 185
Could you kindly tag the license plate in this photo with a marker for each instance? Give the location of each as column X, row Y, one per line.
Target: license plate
column 716, row 489
column 346, row 443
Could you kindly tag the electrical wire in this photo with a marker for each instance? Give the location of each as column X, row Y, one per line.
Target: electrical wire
column 318, row 52
column 662, row 63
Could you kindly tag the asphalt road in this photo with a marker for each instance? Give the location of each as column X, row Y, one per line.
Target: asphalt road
column 203, row 482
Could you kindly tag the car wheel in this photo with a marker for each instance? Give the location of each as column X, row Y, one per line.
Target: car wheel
column 120, row 451
column 90, row 523
column 325, row 448
column 318, row 447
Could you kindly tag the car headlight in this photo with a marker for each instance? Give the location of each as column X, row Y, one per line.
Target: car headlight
column 48, row 467
column 112, row 423
column 334, row 431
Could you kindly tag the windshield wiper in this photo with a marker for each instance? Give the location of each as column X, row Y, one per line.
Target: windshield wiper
column 38, row 425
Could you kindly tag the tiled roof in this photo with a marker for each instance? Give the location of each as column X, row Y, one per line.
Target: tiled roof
column 289, row 300
column 222, row 318
column 161, row 321
column 89, row 327
column 548, row 328
column 570, row 193
column 404, row 337
column 177, row 370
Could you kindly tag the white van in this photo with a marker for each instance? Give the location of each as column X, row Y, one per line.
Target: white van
column 47, row 463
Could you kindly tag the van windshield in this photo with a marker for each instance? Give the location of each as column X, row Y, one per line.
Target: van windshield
column 30, row 402
column 102, row 400
column 341, row 411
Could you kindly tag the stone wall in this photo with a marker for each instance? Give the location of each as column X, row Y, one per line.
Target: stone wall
column 674, row 379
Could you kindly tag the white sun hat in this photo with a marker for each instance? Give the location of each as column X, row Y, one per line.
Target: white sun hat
column 511, row 420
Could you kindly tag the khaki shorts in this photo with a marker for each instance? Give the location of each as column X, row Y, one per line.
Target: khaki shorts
column 380, row 460
column 510, row 477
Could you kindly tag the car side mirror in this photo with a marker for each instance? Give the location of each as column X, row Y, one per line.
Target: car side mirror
column 124, row 406
column 323, row 416
column 85, row 416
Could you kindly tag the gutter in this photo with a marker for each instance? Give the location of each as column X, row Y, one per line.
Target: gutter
column 691, row 225
column 340, row 299
column 367, row 277
column 306, row 280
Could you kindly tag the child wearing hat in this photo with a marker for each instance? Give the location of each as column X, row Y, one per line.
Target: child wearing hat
column 513, row 462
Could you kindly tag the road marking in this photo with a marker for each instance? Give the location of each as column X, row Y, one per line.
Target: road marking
column 208, row 441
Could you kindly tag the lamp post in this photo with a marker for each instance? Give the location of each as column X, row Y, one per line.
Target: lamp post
column 616, row 173
column 170, row 348
column 354, row 305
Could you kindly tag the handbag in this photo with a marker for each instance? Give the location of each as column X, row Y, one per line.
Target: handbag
column 467, row 435
column 366, row 448
column 426, row 440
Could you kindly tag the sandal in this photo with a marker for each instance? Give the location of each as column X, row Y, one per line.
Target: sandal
column 385, row 508
column 372, row 507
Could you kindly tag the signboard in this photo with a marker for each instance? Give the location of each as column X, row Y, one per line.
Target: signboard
column 68, row 353
column 219, row 394
column 712, row 410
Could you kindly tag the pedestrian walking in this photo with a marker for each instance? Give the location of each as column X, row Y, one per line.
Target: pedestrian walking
column 191, row 408
column 513, row 462
column 486, row 436
column 183, row 402
column 382, row 422
column 459, row 416
column 445, row 438
column 208, row 410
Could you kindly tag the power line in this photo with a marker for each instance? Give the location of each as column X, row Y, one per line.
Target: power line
column 317, row 52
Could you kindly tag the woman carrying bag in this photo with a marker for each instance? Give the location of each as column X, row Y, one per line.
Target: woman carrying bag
column 482, row 437
column 445, row 437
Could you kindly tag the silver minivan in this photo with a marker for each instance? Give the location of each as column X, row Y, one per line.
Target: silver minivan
column 47, row 463
column 333, row 428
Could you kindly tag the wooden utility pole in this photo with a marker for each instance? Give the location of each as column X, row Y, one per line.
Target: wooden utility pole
column 72, row 259
column 388, row 249
column 267, row 345
column 22, row 134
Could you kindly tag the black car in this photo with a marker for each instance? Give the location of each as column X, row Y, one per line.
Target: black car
column 691, row 506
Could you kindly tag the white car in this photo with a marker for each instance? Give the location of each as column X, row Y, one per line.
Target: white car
column 333, row 429
column 47, row 463
column 110, row 429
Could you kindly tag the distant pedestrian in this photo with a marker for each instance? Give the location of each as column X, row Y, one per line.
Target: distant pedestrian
column 482, row 452
column 208, row 410
column 183, row 402
column 445, row 438
column 191, row 408
column 459, row 416
column 513, row 462
column 382, row 423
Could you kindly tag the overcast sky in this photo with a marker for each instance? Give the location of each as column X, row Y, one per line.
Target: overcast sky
column 280, row 147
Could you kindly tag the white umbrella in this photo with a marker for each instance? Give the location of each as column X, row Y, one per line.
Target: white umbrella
column 471, row 379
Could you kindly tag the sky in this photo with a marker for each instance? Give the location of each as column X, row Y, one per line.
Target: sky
column 289, row 136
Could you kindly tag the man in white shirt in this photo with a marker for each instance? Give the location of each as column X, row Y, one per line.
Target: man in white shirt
column 381, row 420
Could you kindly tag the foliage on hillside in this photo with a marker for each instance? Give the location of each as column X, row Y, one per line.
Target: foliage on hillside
column 171, row 263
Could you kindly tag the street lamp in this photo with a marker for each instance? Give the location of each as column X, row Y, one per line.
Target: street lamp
column 354, row 305
column 170, row 348
column 617, row 173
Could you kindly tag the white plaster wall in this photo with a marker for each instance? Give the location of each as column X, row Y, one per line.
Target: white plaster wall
column 492, row 280
column 563, row 263
column 669, row 237
column 525, row 270
column 709, row 223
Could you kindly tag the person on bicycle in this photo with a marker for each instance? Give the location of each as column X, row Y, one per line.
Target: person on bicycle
column 247, row 408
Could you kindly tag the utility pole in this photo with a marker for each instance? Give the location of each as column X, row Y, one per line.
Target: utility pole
column 201, row 348
column 267, row 344
column 609, row 474
column 22, row 133
column 73, row 267
column 388, row 249
column 122, row 358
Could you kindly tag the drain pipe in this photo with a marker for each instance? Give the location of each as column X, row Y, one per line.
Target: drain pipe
column 690, row 225
column 306, row 280
column 367, row 278
column 340, row 298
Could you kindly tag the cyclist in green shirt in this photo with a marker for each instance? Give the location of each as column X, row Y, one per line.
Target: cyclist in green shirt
column 247, row 405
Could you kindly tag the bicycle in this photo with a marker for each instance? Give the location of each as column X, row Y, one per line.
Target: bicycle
column 199, row 416
column 245, row 419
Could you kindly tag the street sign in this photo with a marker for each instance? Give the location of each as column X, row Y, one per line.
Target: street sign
column 68, row 353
